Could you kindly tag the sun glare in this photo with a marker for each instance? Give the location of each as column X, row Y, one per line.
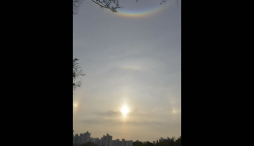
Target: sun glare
column 75, row 105
column 124, row 110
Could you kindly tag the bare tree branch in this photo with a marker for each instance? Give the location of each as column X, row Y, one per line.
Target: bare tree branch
column 77, row 72
column 112, row 5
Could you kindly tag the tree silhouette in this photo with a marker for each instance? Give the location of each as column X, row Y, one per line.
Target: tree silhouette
column 112, row 5
column 76, row 4
column 137, row 143
column 165, row 142
column 178, row 142
column 77, row 72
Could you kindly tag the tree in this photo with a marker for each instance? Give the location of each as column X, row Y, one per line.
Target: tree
column 137, row 143
column 77, row 72
column 178, row 142
column 88, row 144
column 112, row 5
column 76, row 4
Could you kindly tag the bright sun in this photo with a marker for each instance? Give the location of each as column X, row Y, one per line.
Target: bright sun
column 75, row 105
column 124, row 110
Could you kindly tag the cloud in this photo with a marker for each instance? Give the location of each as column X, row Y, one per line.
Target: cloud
column 144, row 122
column 107, row 113
column 131, row 68
column 112, row 114
column 135, row 117
column 102, row 121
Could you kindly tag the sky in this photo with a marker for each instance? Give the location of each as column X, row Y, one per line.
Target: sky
column 131, row 60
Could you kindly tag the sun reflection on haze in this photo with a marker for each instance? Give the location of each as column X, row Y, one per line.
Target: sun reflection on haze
column 124, row 110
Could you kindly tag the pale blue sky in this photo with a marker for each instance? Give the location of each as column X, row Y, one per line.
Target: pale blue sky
column 132, row 61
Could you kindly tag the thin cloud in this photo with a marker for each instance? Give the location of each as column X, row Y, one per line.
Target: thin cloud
column 107, row 113
column 131, row 68
column 96, row 121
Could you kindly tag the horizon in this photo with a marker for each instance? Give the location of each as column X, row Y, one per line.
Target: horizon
column 74, row 134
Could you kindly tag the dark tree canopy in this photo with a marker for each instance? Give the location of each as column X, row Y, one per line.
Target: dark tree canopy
column 166, row 142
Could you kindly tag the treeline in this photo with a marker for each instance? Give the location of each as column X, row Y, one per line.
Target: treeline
column 167, row 142
column 86, row 144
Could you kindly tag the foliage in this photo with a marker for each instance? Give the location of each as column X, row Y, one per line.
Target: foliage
column 77, row 72
column 86, row 144
column 167, row 142
column 137, row 143
column 76, row 4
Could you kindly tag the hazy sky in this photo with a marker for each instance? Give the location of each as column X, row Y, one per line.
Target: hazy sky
column 132, row 59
